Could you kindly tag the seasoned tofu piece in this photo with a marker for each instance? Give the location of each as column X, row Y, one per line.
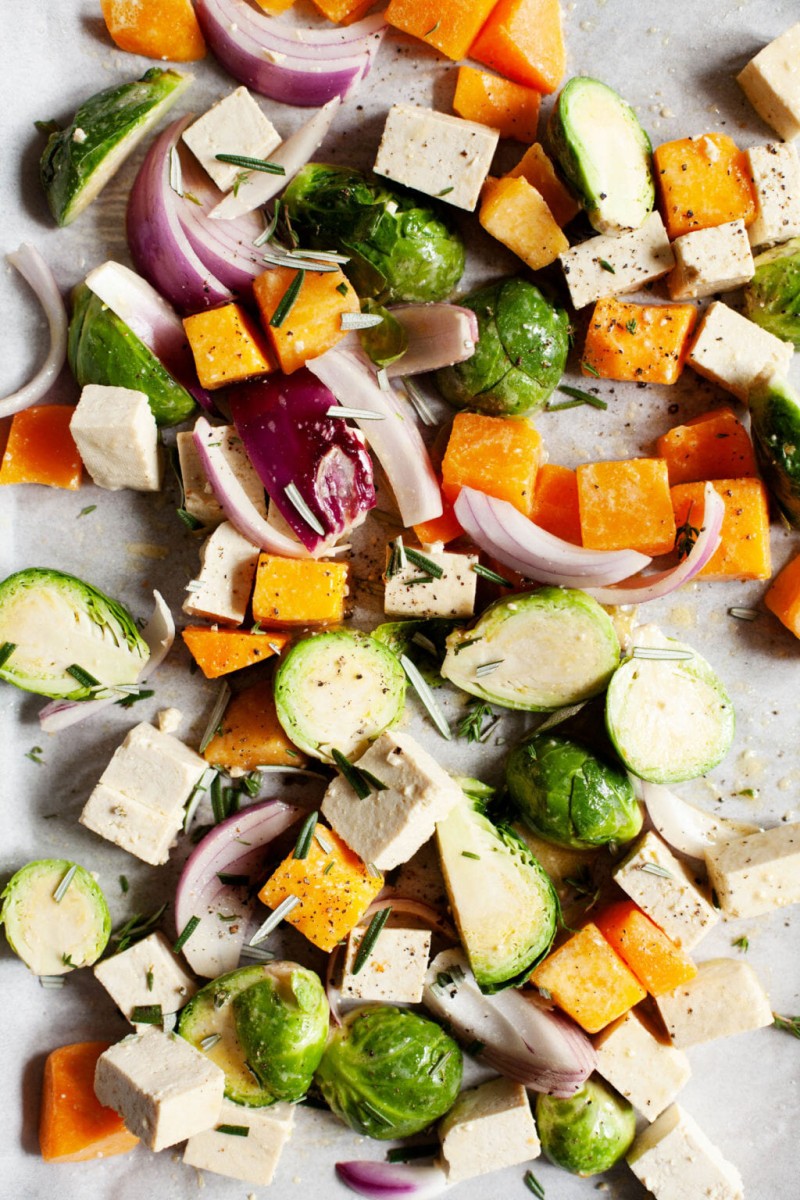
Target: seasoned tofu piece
column 488, row 1128
column 199, row 499
column 221, row 591
column 771, row 82
column 643, row 1069
column 610, row 266
column 663, row 888
column 754, row 874
column 775, row 172
column 226, row 1150
column 674, row 1160
column 234, row 125
column 711, row 260
column 725, row 997
column 394, row 973
column 117, row 438
column 734, row 352
column 147, row 973
column 449, row 594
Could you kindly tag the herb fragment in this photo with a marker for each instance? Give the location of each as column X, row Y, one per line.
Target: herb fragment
column 590, row 370
column 6, row 650
column 487, row 667
column 147, row 1014
column 789, row 1024
column 306, row 836
column 469, row 854
column 85, row 511
column 287, row 300
column 149, row 979
column 492, row 576
column 533, row 1185
column 359, row 320
column 686, row 535
column 419, row 403
column 35, row 755
column 426, row 695
column 233, row 880
column 83, row 677
column 274, row 919
column 741, row 943
column 233, row 1130
column 328, row 869
column 354, row 414
column 631, row 325
column 463, row 645
column 175, row 172
column 744, row 614
column 370, row 938
column 606, row 266
column 292, row 494
column 123, row 884
column 424, row 563
column 251, row 164
column 185, row 934
column 654, row 868
column 135, row 928
column 63, row 887
column 212, row 728
column 584, row 887
column 580, row 397
column 471, row 726
column 191, row 522
column 408, row 1153
column 432, row 29
column 361, row 781
column 661, row 653
column 445, row 191
column 129, row 700
column 341, row 289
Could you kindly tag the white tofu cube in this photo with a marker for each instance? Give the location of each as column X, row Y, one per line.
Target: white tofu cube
column 754, row 874
column 644, row 1070
column 734, row 352
column 135, row 827
column 775, row 172
column 611, row 266
column 117, row 438
column 250, row 1157
column 711, row 260
column 221, row 591
column 234, row 125
column 771, row 82
column 488, row 1128
column 451, row 595
column 162, row 1087
column 199, row 498
column 389, row 826
column 432, row 152
column 725, row 997
column 674, row 1160
column 663, row 888
column 147, row 973
column 394, row 973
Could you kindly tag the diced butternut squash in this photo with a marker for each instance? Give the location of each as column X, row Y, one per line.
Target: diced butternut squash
column 495, row 455
column 333, row 886
column 655, row 960
column 41, row 449
column 74, row 1126
column 343, row 12
column 555, row 502
column 626, row 505
column 642, row 343
column 165, row 29
column 220, row 651
column 538, row 169
column 589, row 980
column 499, row 103
column 744, row 552
column 783, row 597
column 451, row 26
column 227, row 346
column 250, row 734
column 313, row 322
column 524, row 41
column 274, row 7
column 441, row 529
column 714, row 445
column 299, row 591
column 517, row 215
column 703, row 182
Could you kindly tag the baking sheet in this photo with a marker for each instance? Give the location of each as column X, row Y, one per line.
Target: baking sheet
column 676, row 64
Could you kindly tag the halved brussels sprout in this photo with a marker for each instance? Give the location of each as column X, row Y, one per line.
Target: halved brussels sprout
column 56, row 916
column 772, row 297
column 775, row 423
column 590, row 1131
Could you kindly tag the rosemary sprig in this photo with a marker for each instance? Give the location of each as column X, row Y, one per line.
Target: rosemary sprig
column 292, row 494
column 661, row 653
column 492, row 576
column 306, row 836
column 369, row 939
column 233, row 1130
column 533, row 1185
column 426, row 695
column 424, row 563
column 362, row 782
column 407, row 1153
column 788, row 1024
column 63, row 887
column 686, row 535
column 83, row 677
column 147, row 1014
column 274, row 919
column 654, row 868
column 185, row 934
column 359, row 320
column 579, row 396
column 471, row 727
column 287, row 300
column 136, row 928
column 741, row 943
column 6, row 650
column 251, row 164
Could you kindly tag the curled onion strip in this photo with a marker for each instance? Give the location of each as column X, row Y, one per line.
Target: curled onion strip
column 35, row 271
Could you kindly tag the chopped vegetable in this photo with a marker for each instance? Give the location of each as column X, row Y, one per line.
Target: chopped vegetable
column 644, row 343
column 775, row 424
column 744, row 549
column 227, row 346
column 249, row 734
column 219, row 651
column 518, row 216
column 772, row 297
column 451, row 29
column 155, row 28
column 41, row 449
column 498, row 103
column 524, row 41
column 590, row 1131
column 73, row 1125
column 626, row 505
column 295, row 591
column 714, row 445
column 308, row 321
column 55, row 916
column 783, row 596
column 657, row 962
column 493, row 455
column 538, row 169
column 555, row 502
column 703, row 182
column 589, row 980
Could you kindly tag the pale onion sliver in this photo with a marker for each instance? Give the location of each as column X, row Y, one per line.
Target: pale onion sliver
column 35, row 271
column 688, row 829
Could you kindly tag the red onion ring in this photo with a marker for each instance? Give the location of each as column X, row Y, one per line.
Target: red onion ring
column 35, row 271
column 392, row 1181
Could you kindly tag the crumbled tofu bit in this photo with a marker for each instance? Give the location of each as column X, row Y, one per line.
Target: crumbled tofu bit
column 674, row 1160
column 117, row 438
column 147, row 973
column 488, row 1128
column 162, row 1087
column 234, row 125
column 725, row 997
column 408, row 594
column 711, row 260
column 635, row 258
column 440, row 155
column 79, row 135
column 663, row 888
column 169, row 720
column 754, row 874
column 251, row 1158
column 389, row 826
column 394, row 973
column 771, row 82
column 775, row 172
column 643, row 1069
column 734, row 352
column 199, row 499
column 221, row 591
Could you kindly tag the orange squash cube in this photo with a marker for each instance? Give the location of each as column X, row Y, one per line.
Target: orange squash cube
column 440, row 529
column 73, row 1125
column 333, row 886
column 496, row 455
column 703, row 182
column 714, row 445
column 524, row 41
column 517, row 215
column 227, row 346
column 642, row 343
column 589, row 980
column 451, row 27
column 41, row 449
column 250, row 734
column 299, row 591
column 626, row 505
column 219, row 651
column 343, row 12
column 655, row 960
column 313, row 323
column 538, row 169
column 499, row 103
column 555, row 502
column 165, row 29
column 744, row 552
column 274, row 7
column 783, row 597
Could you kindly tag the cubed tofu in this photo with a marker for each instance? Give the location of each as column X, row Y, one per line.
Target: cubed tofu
column 199, row 499
column 725, row 997
column 452, row 594
column 221, row 591
column 250, row 1157
column 162, row 1087
column 674, row 1160
column 771, row 83
column 515, row 213
column 663, row 888
column 437, row 154
column 131, row 825
column 147, row 973
column 734, row 352
column 775, row 172
column 234, row 125
column 611, row 266
column 754, row 874
column 117, row 437
column 488, row 1128
column 711, row 260
column 643, row 1069
column 388, row 826
column 394, row 973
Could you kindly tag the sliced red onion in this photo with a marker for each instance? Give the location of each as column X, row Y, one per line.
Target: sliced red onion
column 502, row 531
column 159, row 633
column 687, row 829
column 438, row 336
column 35, row 271
column 392, row 1181
column 396, row 441
column 235, row 847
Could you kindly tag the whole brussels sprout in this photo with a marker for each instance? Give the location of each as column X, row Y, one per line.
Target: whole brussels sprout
column 569, row 796
column 589, row 1132
column 772, row 297
column 520, row 356
column 389, row 1073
